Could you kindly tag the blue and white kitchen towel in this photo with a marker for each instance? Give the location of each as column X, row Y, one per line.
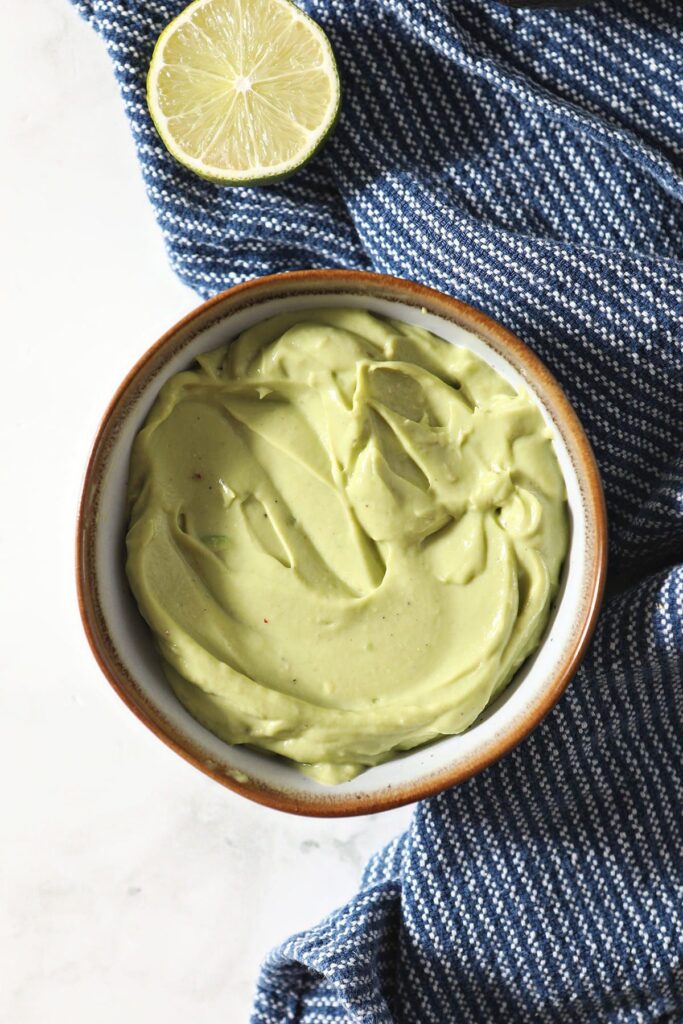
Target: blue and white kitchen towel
column 528, row 163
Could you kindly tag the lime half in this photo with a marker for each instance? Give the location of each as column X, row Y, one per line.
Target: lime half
column 243, row 91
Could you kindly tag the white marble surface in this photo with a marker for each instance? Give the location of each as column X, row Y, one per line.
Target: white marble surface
column 131, row 887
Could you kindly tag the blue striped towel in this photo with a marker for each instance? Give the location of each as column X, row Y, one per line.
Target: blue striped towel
column 527, row 162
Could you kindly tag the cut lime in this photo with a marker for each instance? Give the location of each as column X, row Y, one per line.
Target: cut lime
column 243, row 91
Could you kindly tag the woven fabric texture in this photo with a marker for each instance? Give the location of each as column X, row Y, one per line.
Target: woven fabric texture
column 528, row 163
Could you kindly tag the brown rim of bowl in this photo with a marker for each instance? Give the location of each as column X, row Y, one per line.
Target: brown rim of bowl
column 410, row 293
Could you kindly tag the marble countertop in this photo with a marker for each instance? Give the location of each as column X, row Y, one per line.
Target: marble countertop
column 131, row 887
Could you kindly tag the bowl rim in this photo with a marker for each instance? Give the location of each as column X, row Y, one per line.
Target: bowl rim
column 567, row 423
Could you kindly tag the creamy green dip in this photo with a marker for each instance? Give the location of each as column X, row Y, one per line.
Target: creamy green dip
column 346, row 535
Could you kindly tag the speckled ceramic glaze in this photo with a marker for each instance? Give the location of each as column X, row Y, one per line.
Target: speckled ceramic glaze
column 122, row 643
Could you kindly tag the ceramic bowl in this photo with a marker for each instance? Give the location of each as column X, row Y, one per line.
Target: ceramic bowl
column 122, row 644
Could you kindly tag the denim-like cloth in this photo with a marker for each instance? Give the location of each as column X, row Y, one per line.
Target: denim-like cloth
column 528, row 163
